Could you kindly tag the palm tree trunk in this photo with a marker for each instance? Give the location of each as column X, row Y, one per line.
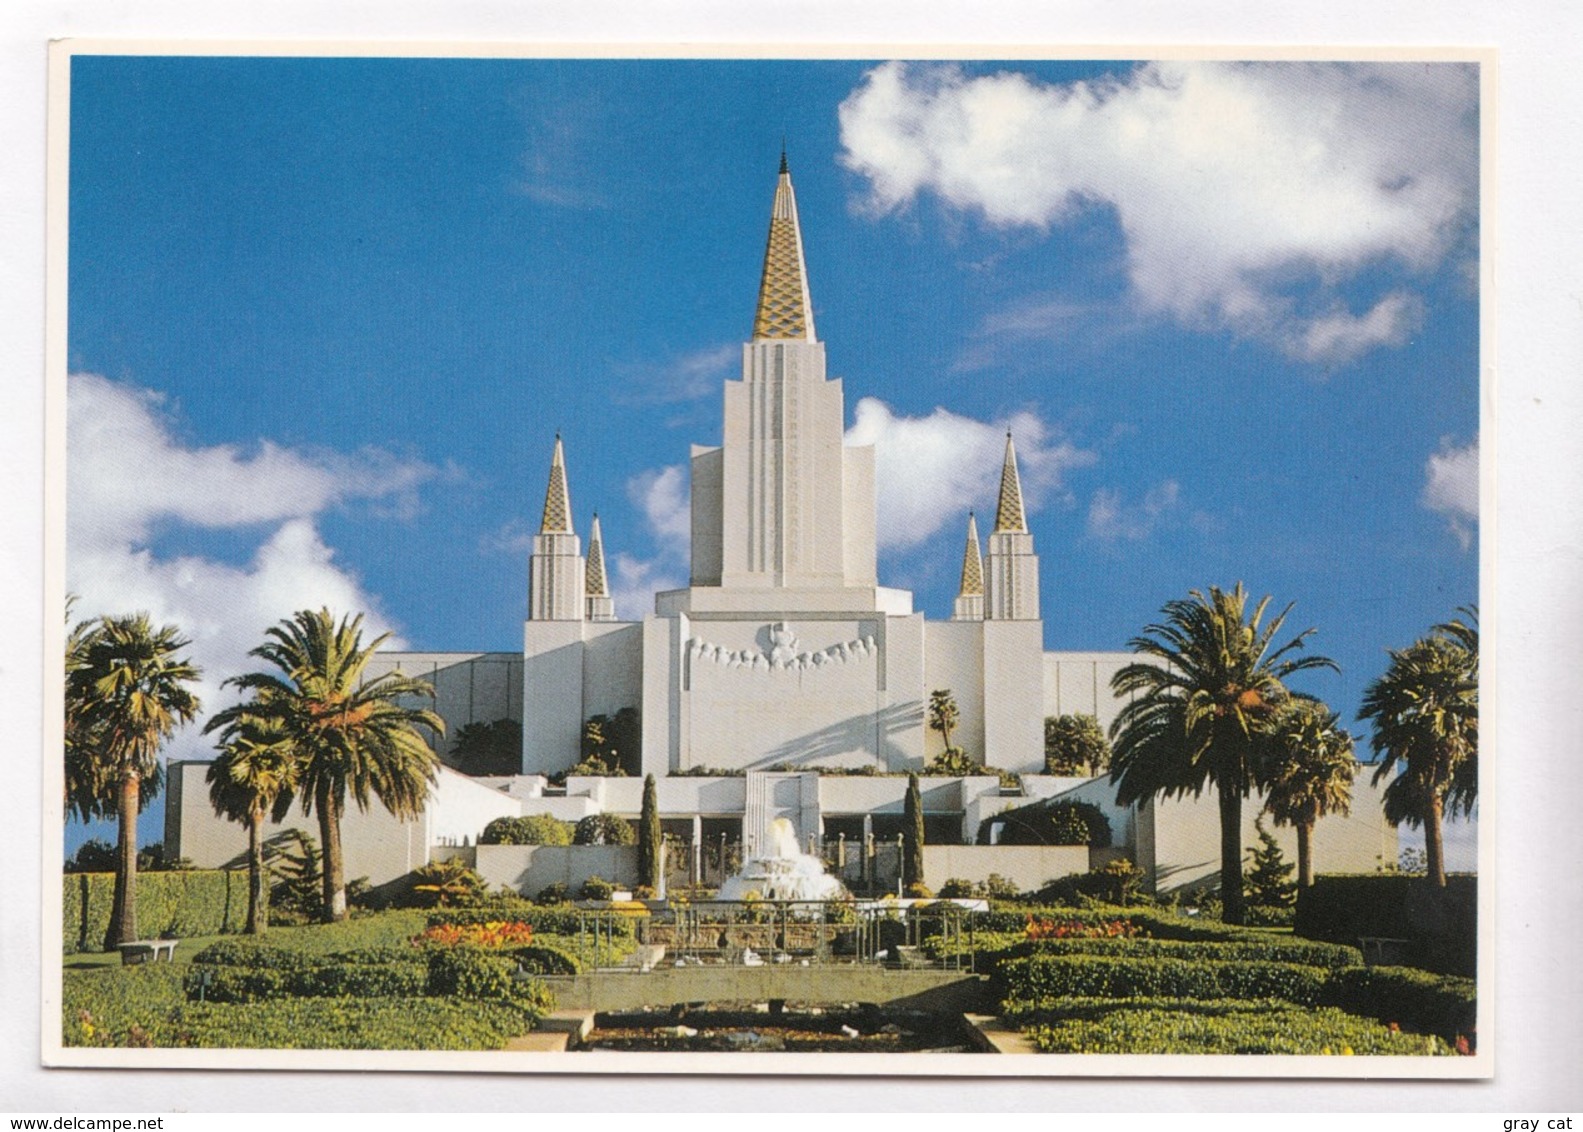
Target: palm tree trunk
column 334, row 884
column 1231, row 854
column 257, row 913
column 123, row 910
column 1305, row 854
column 1434, row 845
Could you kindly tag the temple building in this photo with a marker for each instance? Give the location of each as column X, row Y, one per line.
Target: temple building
column 785, row 681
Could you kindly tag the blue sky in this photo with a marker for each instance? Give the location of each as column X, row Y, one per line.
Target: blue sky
column 327, row 315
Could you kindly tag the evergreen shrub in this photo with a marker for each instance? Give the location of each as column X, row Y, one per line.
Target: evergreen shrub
column 1041, row 977
column 1235, row 1026
column 1417, row 1000
column 169, row 905
column 535, row 829
column 1440, row 924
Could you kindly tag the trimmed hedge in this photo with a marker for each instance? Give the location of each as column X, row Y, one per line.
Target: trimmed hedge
column 147, row 1006
column 1308, row 953
column 1176, row 1026
column 535, row 829
column 253, row 973
column 547, row 959
column 189, row 902
column 1416, row 1000
column 1039, row 978
column 1440, row 924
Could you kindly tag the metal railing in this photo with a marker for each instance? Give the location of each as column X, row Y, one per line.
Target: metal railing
column 889, row 933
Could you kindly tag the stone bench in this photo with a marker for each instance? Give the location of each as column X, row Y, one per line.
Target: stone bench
column 148, row 951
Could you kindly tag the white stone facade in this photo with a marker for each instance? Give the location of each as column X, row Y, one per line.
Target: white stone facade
column 784, row 650
column 783, row 656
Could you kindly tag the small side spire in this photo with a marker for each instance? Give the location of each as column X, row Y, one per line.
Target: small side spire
column 557, row 501
column 970, row 597
column 784, row 308
column 596, row 587
column 1009, row 515
column 596, row 584
column 972, row 562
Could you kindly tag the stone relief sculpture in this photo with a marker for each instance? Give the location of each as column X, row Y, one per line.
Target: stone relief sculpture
column 784, row 654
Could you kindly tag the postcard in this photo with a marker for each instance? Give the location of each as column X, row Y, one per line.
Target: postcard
column 597, row 561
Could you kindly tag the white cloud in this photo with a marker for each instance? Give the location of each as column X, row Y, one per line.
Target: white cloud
column 637, row 580
column 1247, row 193
column 129, row 474
column 1110, row 519
column 933, row 470
column 1451, row 487
column 661, row 494
column 686, row 377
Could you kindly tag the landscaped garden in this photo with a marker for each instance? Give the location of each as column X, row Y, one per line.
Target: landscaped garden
column 1143, row 980
column 403, row 979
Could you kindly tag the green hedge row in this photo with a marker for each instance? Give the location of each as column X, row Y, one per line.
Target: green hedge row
column 1437, row 1004
column 147, row 1005
column 547, row 959
column 1041, row 978
column 228, row 972
column 170, row 904
column 359, row 980
column 1440, row 924
column 1176, row 1026
column 1310, row 953
column 1414, row 1000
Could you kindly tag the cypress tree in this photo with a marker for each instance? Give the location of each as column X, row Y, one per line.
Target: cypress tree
column 649, row 836
column 912, row 830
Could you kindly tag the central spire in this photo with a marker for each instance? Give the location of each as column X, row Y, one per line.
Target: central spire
column 784, row 309
column 557, row 503
column 1009, row 514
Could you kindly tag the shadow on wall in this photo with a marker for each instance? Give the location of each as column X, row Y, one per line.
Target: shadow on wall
column 855, row 733
column 1163, row 875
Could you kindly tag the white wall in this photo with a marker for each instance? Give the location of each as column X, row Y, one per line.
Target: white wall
column 1079, row 683
column 954, row 660
column 528, row 869
column 470, row 687
column 461, row 807
column 1186, row 835
column 374, row 844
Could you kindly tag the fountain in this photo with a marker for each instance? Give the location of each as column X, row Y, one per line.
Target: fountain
column 785, row 873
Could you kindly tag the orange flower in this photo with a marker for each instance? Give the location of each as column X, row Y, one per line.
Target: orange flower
column 495, row 933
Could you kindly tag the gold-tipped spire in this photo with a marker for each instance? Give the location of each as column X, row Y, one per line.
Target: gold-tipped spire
column 595, row 584
column 557, row 503
column 1009, row 514
column 972, row 562
column 784, row 309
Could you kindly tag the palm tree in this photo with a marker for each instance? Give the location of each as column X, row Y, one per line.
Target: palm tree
column 1198, row 711
column 255, row 775
column 349, row 736
column 1425, row 711
column 130, row 690
column 1311, row 774
column 943, row 714
column 85, row 794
